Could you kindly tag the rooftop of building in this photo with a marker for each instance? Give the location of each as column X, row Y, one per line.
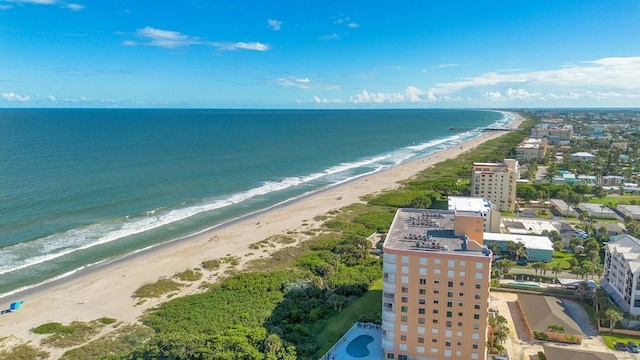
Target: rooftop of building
column 529, row 241
column 628, row 247
column 430, row 230
column 560, row 352
column 467, row 203
column 543, row 311
column 632, row 209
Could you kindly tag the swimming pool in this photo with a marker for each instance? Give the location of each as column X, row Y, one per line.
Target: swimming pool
column 357, row 348
column 526, row 285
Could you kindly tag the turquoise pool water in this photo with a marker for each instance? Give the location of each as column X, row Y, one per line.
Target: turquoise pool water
column 535, row 286
column 357, row 348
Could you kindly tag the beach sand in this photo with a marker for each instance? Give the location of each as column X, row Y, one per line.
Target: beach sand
column 106, row 290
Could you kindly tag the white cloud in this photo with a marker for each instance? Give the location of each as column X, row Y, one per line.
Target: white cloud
column 51, row 98
column 353, row 25
column 411, row 94
column 304, row 83
column 174, row 39
column 166, row 38
column 74, row 7
column 255, row 46
column 441, row 66
column 318, row 100
column 38, row 2
column 333, row 36
column 292, row 81
column 15, row 97
column 614, row 73
column 274, row 24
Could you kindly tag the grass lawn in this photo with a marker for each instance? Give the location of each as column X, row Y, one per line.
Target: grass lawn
column 614, row 338
column 612, row 201
column 561, row 258
column 333, row 328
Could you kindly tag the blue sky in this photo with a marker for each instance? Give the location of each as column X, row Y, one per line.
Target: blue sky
column 325, row 54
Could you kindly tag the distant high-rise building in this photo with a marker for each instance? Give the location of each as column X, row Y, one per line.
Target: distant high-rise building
column 496, row 182
column 436, row 275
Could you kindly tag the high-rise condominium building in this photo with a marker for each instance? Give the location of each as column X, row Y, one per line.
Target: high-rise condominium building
column 436, row 275
column 496, row 182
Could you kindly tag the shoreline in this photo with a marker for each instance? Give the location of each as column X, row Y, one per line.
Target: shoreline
column 106, row 289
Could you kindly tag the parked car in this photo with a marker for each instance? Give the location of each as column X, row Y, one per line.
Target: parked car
column 633, row 347
column 621, row 347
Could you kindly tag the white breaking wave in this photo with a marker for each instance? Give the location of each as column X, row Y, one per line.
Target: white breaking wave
column 27, row 254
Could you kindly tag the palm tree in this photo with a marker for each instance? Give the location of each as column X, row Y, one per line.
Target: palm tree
column 499, row 330
column 556, row 330
column 556, row 269
column 613, row 316
column 503, row 265
column 544, row 268
column 536, row 266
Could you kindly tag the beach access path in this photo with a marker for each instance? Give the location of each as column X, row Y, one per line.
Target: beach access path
column 106, row 290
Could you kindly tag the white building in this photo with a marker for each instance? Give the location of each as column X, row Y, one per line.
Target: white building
column 532, row 148
column 488, row 210
column 538, row 248
column 582, row 156
column 633, row 211
column 496, row 182
column 622, row 272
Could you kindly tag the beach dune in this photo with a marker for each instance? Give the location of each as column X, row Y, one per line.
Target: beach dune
column 106, row 290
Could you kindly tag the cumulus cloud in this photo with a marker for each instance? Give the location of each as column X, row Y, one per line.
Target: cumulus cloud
column 318, row 100
column 15, row 97
column 617, row 72
column 411, row 94
column 274, row 24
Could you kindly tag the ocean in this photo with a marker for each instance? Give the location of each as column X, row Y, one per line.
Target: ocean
column 80, row 187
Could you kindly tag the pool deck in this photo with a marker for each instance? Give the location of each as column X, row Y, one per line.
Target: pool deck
column 339, row 352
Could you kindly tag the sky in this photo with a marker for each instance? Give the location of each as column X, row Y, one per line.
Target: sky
column 319, row 54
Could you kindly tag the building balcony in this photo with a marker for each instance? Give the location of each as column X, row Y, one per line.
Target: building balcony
column 389, row 267
column 388, row 316
column 387, row 345
column 389, row 327
column 389, row 287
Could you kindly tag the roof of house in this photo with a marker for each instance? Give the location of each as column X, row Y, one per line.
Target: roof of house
column 529, row 241
column 628, row 247
column 582, row 154
column 542, row 311
column 554, row 352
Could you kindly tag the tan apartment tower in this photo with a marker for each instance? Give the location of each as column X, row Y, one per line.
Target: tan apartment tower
column 496, row 182
column 436, row 275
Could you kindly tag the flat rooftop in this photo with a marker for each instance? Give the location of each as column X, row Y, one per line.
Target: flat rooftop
column 428, row 230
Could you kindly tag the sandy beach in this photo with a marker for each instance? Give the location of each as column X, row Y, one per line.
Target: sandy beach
column 107, row 290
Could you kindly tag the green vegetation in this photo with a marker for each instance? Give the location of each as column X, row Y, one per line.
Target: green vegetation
column 23, row 351
column 298, row 302
column 188, row 275
column 211, row 265
column 125, row 339
column 157, row 289
column 614, row 200
column 611, row 339
column 366, row 308
column 76, row 333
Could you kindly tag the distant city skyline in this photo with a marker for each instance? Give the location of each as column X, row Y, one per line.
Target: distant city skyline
column 333, row 54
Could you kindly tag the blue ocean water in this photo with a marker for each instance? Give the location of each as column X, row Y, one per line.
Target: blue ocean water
column 81, row 186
